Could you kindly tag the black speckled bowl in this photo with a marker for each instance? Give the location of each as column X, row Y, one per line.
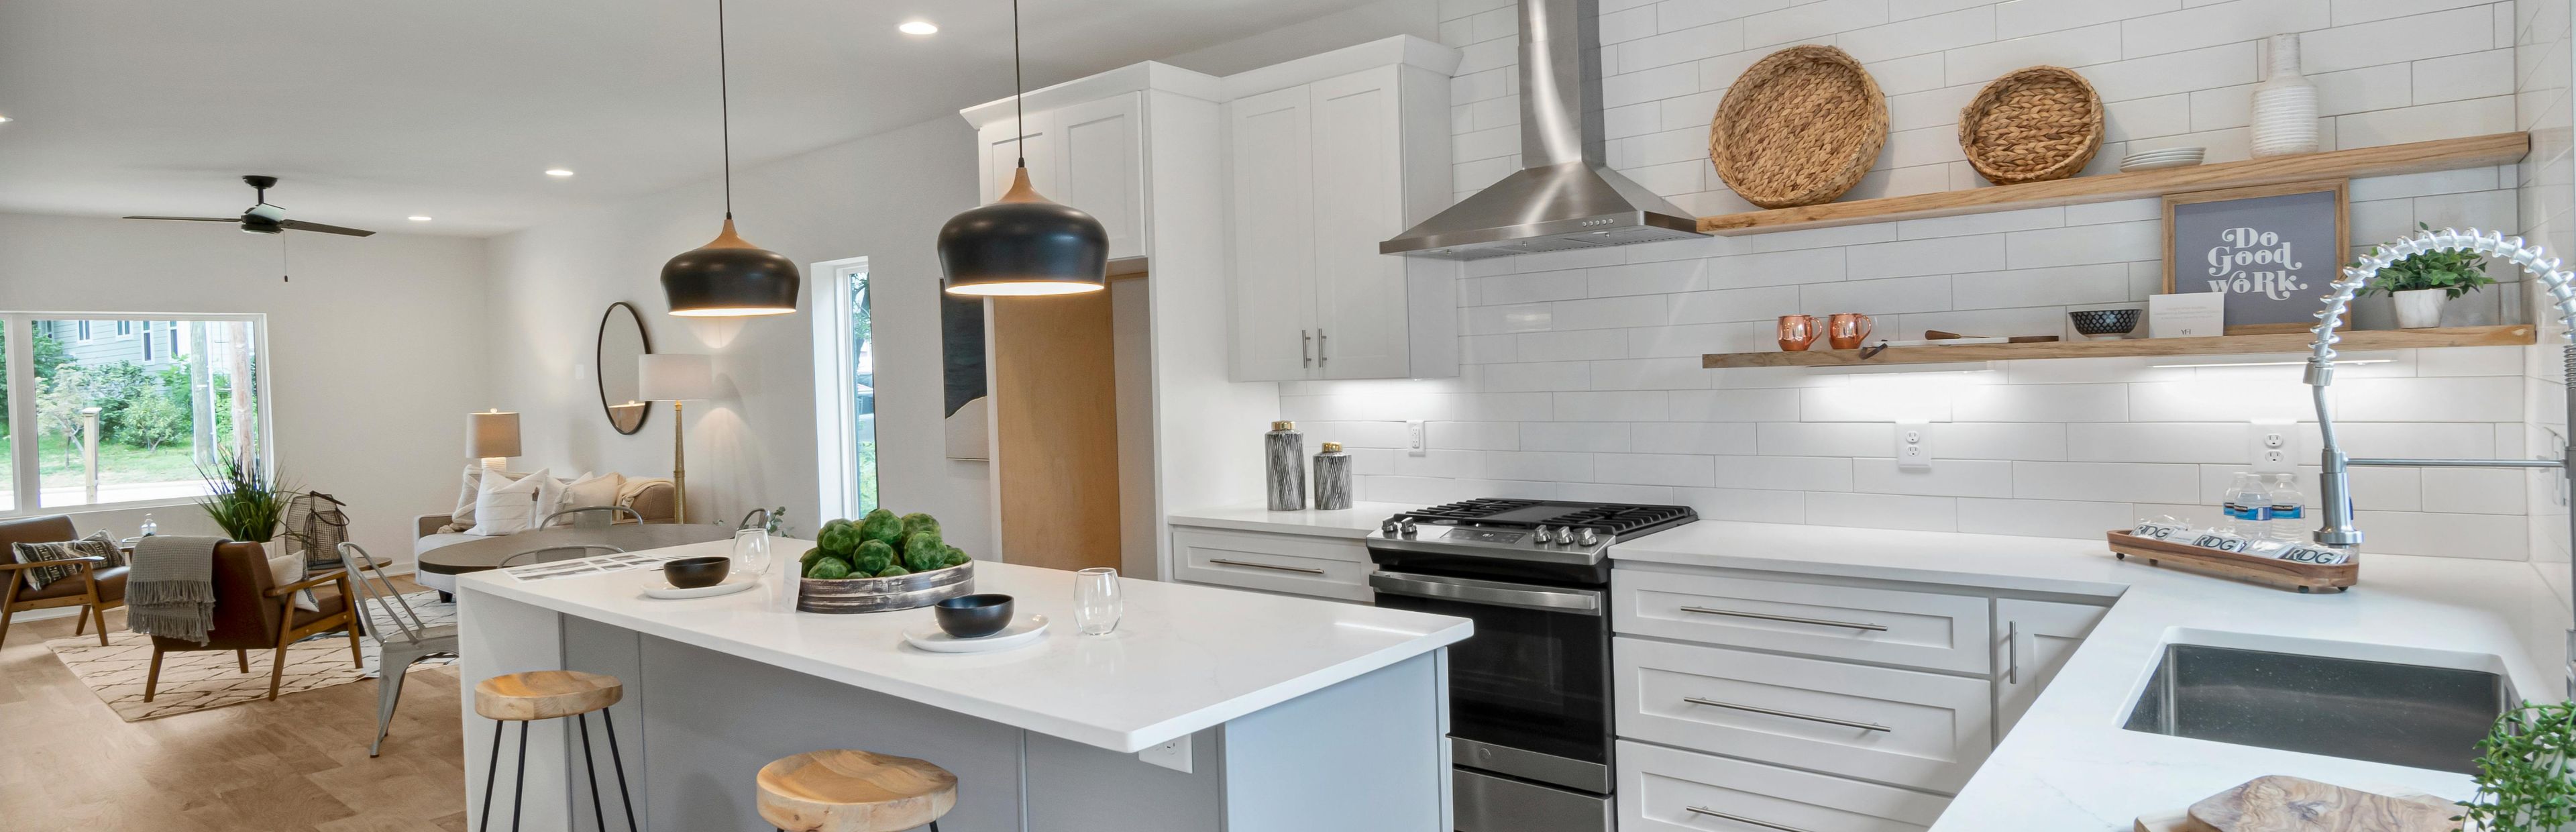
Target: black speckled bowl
column 2100, row 322
column 691, row 573
column 974, row 616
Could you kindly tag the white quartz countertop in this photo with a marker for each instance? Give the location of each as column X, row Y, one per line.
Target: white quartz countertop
column 1184, row 658
column 2068, row 765
column 1360, row 520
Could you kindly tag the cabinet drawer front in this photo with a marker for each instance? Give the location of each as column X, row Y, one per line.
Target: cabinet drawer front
column 1915, row 629
column 1902, row 727
column 1667, row 789
column 1276, row 563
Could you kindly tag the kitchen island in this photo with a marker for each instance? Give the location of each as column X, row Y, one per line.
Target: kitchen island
column 1288, row 713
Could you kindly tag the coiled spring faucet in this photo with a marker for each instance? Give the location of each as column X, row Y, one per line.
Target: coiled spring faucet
column 2334, row 484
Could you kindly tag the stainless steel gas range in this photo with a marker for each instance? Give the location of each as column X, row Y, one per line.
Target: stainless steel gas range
column 1529, row 709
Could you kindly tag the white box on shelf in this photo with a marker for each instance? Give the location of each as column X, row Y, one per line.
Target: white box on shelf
column 2196, row 315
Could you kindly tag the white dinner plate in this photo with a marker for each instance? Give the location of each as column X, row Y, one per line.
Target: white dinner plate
column 664, row 589
column 2126, row 167
column 1029, row 629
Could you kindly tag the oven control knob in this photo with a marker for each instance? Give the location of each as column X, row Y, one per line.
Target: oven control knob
column 1408, row 528
column 1388, row 526
column 1585, row 536
column 1565, row 535
column 1539, row 536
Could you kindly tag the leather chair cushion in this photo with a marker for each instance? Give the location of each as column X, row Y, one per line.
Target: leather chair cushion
column 111, row 586
column 330, row 604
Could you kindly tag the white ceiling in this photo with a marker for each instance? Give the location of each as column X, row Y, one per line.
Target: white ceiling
column 373, row 111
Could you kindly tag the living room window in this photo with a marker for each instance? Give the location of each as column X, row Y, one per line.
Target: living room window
column 104, row 422
column 845, row 381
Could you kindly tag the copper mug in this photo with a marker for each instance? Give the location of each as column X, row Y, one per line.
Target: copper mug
column 1845, row 330
column 1797, row 332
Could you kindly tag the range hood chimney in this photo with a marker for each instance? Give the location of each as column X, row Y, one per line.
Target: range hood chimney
column 1565, row 196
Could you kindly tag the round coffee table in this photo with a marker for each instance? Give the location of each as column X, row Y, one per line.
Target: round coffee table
column 438, row 567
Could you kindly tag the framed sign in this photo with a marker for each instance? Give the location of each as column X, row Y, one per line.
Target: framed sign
column 2270, row 249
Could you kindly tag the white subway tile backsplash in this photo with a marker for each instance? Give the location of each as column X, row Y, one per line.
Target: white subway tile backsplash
column 1615, row 406
column 1579, row 345
column 1705, row 438
column 1674, row 373
column 2130, row 482
column 1785, row 473
column 2459, row 398
column 2044, row 518
column 1777, row 404
column 1603, row 313
column 2107, row 243
column 1916, row 36
column 1937, row 255
column 1829, row 439
column 2088, row 46
column 2194, row 442
column 1744, row 504
column 1812, row 19
column 2060, row 286
column 1655, row 469
column 1877, row 297
column 2452, row 119
column 2410, row 38
column 2041, row 403
column 1609, row 437
column 1945, row 478
column 2216, row 24
column 1762, row 303
column 1884, row 511
column 2022, row 18
column 1999, row 440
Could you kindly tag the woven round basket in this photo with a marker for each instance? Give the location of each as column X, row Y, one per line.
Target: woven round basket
column 2032, row 125
column 1799, row 127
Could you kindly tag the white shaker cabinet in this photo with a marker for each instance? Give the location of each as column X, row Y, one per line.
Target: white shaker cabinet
column 2032, row 640
column 1324, row 167
column 1090, row 155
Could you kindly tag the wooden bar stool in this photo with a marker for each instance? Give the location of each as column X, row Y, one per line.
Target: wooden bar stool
column 549, row 694
column 854, row 791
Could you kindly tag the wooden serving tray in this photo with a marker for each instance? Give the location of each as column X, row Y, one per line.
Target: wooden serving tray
column 2304, row 577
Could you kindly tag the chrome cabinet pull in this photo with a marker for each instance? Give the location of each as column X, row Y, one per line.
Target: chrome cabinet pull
column 1320, row 357
column 1697, row 810
column 2012, row 652
column 1875, row 628
column 1305, row 356
column 1865, row 726
column 1266, row 566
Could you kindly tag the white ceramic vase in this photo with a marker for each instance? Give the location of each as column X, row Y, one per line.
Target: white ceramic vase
column 2420, row 308
column 2285, row 104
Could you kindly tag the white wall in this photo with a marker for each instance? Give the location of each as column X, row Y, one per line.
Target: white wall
column 376, row 346
column 883, row 197
column 1584, row 379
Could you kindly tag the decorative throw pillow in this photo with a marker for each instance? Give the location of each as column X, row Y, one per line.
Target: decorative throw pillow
column 591, row 490
column 97, row 544
column 463, row 517
column 289, row 568
column 508, row 505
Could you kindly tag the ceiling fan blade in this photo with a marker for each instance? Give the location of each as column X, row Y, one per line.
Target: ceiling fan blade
column 300, row 225
column 190, row 219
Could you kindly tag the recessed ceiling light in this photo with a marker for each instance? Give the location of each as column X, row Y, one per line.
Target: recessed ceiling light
column 4, row 119
column 558, row 172
column 918, row 27
column 419, row 218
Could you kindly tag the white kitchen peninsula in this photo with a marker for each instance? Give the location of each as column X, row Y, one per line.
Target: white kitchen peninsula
column 1296, row 714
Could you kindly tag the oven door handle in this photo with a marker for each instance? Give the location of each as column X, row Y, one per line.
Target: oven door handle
column 1469, row 590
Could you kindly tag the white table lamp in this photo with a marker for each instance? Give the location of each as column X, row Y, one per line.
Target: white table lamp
column 675, row 378
column 493, row 436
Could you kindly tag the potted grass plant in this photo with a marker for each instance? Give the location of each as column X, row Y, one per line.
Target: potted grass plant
column 2524, row 781
column 244, row 497
column 2421, row 284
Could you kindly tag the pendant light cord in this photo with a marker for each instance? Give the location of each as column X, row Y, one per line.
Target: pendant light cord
column 1019, row 90
column 724, row 105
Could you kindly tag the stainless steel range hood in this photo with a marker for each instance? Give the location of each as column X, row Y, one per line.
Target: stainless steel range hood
column 1564, row 196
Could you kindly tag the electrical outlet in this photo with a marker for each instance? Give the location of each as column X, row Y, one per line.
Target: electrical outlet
column 1914, row 446
column 1174, row 755
column 2272, row 447
column 1414, row 441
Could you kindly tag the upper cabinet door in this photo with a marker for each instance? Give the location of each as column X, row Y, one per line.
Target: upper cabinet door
column 1359, row 183
column 1271, row 137
column 1002, row 154
column 1101, row 145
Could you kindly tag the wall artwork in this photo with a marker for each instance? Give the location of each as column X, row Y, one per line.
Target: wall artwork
column 2270, row 249
column 961, row 350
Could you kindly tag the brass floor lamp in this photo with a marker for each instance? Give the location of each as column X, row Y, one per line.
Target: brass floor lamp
column 676, row 378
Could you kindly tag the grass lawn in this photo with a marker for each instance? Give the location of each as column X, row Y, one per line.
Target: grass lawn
column 117, row 462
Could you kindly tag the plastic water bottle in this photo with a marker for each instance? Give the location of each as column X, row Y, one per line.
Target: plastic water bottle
column 2289, row 508
column 149, row 528
column 2248, row 504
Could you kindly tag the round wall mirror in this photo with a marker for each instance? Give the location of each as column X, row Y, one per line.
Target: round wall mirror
column 621, row 342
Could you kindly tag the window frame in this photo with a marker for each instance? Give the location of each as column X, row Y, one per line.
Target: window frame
column 835, row 408
column 17, row 333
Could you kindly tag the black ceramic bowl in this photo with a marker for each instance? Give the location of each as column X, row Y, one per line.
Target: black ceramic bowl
column 691, row 573
column 2104, row 321
column 974, row 616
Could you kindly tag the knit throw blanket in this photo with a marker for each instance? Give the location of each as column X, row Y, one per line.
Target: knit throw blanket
column 170, row 589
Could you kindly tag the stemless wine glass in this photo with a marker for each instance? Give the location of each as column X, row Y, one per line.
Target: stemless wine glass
column 751, row 551
column 1096, row 602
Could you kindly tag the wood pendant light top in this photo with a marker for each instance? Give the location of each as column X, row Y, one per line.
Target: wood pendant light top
column 545, row 694
column 853, row 791
column 1020, row 190
column 728, row 239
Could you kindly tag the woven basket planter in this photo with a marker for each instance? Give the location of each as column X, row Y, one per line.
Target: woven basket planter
column 1799, row 127
column 2032, row 125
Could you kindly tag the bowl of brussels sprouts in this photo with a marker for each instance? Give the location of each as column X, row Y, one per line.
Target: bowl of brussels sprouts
column 881, row 562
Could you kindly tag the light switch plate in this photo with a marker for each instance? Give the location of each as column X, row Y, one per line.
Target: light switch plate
column 1174, row 755
column 1415, row 443
column 1914, row 446
column 2272, row 447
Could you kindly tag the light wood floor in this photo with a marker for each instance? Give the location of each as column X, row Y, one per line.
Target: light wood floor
column 298, row 764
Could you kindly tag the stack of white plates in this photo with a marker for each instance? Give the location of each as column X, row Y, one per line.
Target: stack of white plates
column 2172, row 157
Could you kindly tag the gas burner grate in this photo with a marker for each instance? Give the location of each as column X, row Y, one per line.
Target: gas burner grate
column 1621, row 520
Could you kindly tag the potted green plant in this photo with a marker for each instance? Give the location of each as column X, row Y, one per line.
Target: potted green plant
column 2524, row 781
column 244, row 497
column 2421, row 284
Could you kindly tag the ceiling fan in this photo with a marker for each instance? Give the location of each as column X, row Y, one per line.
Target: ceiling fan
column 264, row 218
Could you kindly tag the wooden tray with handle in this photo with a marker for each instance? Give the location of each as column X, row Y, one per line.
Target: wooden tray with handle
column 2304, row 577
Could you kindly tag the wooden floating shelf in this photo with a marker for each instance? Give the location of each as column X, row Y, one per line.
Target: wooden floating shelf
column 2286, row 342
column 2385, row 160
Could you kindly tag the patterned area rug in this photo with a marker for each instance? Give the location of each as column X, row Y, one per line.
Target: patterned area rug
column 197, row 681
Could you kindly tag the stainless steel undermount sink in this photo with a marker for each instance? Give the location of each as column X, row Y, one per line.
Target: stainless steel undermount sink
column 2402, row 714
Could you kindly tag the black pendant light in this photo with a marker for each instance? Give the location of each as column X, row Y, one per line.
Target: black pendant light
column 1023, row 244
column 729, row 277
